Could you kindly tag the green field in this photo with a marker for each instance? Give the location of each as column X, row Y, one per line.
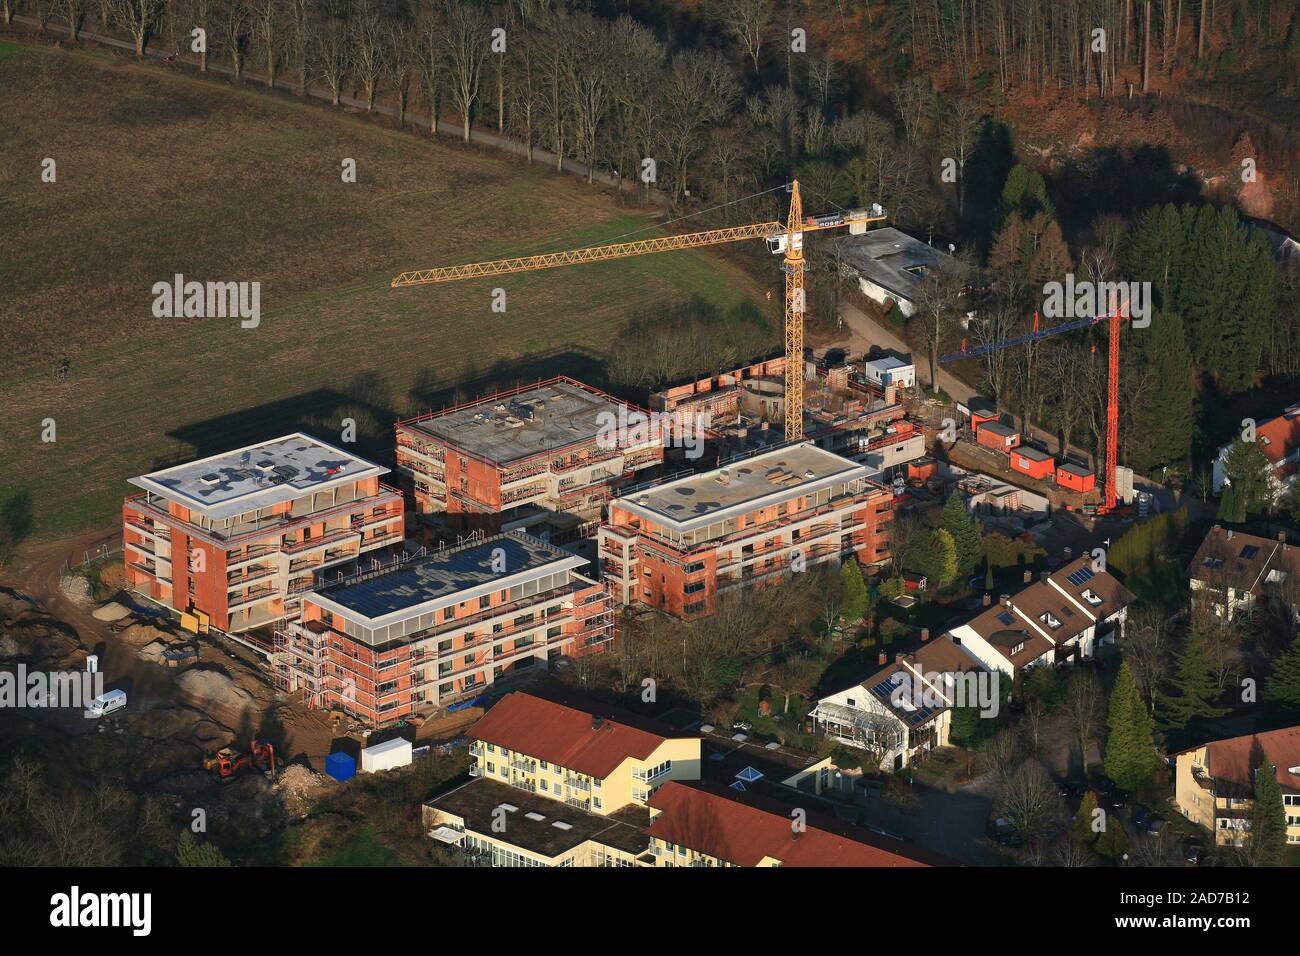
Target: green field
column 161, row 173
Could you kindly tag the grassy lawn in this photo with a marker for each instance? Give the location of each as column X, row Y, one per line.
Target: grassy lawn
column 361, row 850
column 159, row 174
column 779, row 723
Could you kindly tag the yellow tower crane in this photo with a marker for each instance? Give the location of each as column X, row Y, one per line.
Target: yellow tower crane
column 783, row 239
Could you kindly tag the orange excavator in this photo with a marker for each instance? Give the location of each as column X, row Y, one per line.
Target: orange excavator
column 227, row 762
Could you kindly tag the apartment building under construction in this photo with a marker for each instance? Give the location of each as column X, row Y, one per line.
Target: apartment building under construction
column 440, row 628
column 242, row 535
column 676, row 546
column 559, row 445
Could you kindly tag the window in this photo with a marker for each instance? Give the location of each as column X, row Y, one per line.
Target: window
column 693, row 608
column 1249, row 551
column 851, row 702
column 695, row 587
column 1050, row 620
column 1091, row 596
column 485, row 601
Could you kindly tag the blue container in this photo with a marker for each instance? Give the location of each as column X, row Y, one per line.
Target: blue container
column 341, row 766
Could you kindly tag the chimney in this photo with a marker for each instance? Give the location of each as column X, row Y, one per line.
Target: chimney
column 1043, row 575
column 897, row 656
column 1029, row 576
column 925, row 634
column 1229, row 534
column 988, row 599
column 1281, row 537
column 1005, row 600
column 884, row 658
column 595, row 722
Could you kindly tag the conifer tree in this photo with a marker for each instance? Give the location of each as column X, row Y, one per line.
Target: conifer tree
column 1195, row 687
column 1131, row 760
column 854, row 590
column 1283, row 686
column 1267, row 841
column 1165, row 418
column 965, row 530
column 1082, row 827
column 189, row 852
column 939, row 561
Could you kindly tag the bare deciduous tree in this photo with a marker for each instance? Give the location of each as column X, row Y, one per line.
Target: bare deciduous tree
column 749, row 22
column 1083, row 708
column 368, row 36
column 466, row 42
column 138, row 18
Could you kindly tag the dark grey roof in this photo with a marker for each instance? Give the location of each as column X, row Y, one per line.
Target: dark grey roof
column 448, row 574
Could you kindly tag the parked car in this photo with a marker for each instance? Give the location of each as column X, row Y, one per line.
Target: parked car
column 1155, row 826
column 1193, row 853
column 1001, row 829
column 1141, row 816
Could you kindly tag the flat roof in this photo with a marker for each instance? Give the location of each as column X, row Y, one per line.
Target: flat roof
column 445, row 577
column 258, row 476
column 1032, row 453
column 1074, row 468
column 778, row 475
column 506, row 428
column 997, row 428
column 892, row 259
column 887, row 362
column 476, row 803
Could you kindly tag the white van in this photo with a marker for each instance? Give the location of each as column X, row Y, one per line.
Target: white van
column 106, row 703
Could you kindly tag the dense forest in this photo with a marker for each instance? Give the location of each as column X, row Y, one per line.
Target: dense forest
column 1134, row 140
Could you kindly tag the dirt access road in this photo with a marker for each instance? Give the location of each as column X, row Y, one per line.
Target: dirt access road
column 36, row 570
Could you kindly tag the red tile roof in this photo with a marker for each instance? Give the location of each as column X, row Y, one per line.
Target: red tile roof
column 1235, row 759
column 1279, row 438
column 562, row 735
column 737, row 832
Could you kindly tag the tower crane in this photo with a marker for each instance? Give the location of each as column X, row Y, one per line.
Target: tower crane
column 783, row 239
column 1117, row 315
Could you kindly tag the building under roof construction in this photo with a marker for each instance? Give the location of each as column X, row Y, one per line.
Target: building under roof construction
column 558, row 445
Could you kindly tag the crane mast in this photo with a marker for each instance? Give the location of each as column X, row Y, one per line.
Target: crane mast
column 784, row 239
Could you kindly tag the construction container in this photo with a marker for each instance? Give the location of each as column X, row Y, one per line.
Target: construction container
column 389, row 755
column 1032, row 462
column 997, row 436
column 341, row 766
column 1075, row 477
column 923, row 469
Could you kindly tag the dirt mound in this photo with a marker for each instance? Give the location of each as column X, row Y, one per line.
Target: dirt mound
column 76, row 588
column 298, row 786
column 213, row 687
column 112, row 611
column 153, row 651
column 141, row 635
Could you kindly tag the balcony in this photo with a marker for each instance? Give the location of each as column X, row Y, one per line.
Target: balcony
column 297, row 547
column 574, row 783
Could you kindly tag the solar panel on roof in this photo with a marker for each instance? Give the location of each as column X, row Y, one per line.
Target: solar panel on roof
column 1249, row 551
column 1006, row 618
column 1078, row 577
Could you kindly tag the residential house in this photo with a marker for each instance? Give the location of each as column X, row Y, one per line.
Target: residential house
column 1061, row 617
column 1234, row 571
column 1214, row 784
column 1279, row 440
column 904, row 710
